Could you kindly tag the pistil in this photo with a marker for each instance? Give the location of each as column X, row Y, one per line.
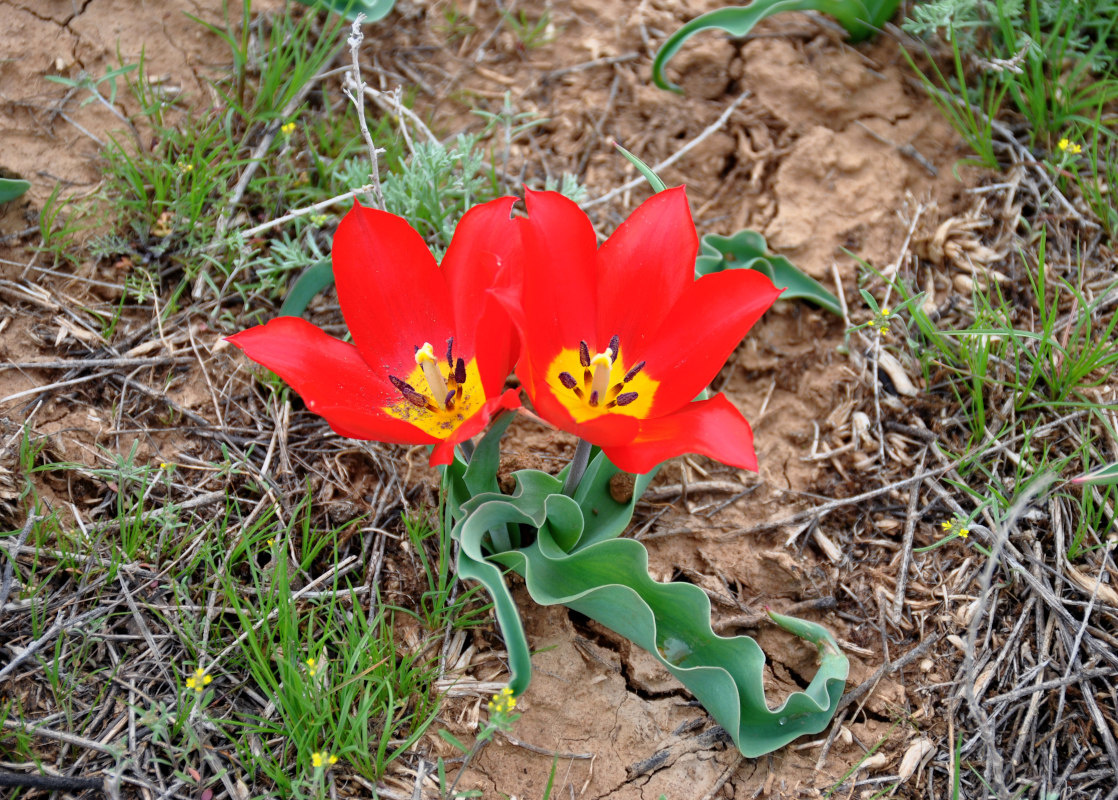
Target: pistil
column 425, row 358
column 601, row 364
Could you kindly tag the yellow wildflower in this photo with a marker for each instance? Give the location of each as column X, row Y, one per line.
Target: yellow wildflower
column 323, row 759
column 313, row 666
column 503, row 702
column 287, row 128
column 1070, row 147
column 199, row 680
column 956, row 527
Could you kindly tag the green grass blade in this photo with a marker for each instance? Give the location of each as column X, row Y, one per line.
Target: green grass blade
column 657, row 184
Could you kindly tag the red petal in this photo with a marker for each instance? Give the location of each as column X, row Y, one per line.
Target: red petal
column 560, row 275
column 393, row 296
column 701, row 331
column 645, row 266
column 711, row 427
column 331, row 377
column 485, row 253
column 443, row 451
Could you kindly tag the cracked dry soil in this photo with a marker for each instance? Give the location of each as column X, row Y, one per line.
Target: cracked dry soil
column 817, row 157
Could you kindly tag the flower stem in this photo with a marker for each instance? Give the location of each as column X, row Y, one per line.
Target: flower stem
column 578, row 467
column 466, row 447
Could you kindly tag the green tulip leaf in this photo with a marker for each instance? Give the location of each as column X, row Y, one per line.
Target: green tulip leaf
column 313, row 280
column 576, row 560
column 860, row 18
column 11, row 188
column 372, row 9
column 1102, row 476
column 747, row 250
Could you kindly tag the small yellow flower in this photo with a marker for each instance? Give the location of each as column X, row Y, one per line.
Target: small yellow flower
column 163, row 465
column 323, row 759
column 313, row 666
column 185, row 167
column 287, row 128
column 880, row 320
column 1070, row 147
column 503, row 702
column 956, row 527
column 199, row 680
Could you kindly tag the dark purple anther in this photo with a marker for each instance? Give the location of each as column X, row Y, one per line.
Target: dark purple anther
column 449, row 402
column 410, row 394
column 614, row 347
column 633, row 372
column 625, row 398
column 460, row 372
column 450, row 353
column 568, row 380
column 584, row 354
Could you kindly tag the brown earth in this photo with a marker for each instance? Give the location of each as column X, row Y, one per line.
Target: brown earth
column 831, row 149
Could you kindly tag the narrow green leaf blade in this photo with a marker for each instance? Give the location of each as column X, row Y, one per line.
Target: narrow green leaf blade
column 314, row 279
column 645, row 170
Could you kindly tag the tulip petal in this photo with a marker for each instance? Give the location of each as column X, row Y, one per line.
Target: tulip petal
column 560, row 275
column 331, row 377
column 701, row 331
column 645, row 266
column 711, row 427
column 393, row 296
column 483, row 255
column 443, row 451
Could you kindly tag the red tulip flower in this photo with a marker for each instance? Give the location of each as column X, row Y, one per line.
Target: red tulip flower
column 432, row 348
column 618, row 340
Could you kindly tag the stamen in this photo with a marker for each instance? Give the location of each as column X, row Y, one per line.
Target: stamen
column 425, row 358
column 449, row 402
column 626, row 398
column 460, row 372
column 593, row 398
column 410, row 394
column 568, row 380
column 450, row 353
column 584, row 354
column 614, row 346
column 633, row 372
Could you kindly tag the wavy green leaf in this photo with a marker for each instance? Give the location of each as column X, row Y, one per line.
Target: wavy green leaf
column 747, row 250
column 575, row 560
column 860, row 18
column 372, row 9
column 11, row 188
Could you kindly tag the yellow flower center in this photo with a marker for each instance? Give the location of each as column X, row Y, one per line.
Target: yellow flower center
column 590, row 386
column 437, row 398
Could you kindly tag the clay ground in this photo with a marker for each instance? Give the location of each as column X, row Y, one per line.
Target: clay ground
column 826, row 149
